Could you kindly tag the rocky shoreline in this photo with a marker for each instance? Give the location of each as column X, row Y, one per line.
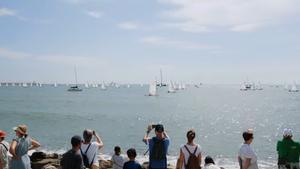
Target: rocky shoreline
column 41, row 160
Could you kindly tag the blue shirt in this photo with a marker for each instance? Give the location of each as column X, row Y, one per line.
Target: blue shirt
column 132, row 165
column 158, row 164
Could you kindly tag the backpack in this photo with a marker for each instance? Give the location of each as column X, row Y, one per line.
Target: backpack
column 158, row 150
column 85, row 158
column 193, row 161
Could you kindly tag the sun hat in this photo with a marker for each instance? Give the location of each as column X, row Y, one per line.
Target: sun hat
column 21, row 128
column 2, row 134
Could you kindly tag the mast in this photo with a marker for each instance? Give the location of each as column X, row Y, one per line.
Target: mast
column 161, row 82
column 75, row 75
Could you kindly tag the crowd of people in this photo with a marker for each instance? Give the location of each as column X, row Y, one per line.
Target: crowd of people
column 84, row 152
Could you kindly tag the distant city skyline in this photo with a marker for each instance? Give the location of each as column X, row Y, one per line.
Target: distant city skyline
column 129, row 41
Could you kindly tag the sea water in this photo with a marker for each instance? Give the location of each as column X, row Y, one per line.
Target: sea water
column 218, row 113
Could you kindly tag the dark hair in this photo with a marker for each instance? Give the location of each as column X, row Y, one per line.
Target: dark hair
column 87, row 135
column 190, row 135
column 247, row 136
column 131, row 153
column 117, row 149
column 159, row 128
column 75, row 141
column 209, row 160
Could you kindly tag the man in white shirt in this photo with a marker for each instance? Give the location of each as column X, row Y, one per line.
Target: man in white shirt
column 90, row 148
column 246, row 156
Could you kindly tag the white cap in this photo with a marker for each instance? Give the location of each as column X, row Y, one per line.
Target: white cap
column 287, row 132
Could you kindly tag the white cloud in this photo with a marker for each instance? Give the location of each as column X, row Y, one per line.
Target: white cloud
column 94, row 14
column 7, row 12
column 161, row 41
column 128, row 25
column 53, row 58
column 234, row 15
column 6, row 53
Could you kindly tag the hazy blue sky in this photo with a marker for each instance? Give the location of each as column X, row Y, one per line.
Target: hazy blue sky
column 210, row 41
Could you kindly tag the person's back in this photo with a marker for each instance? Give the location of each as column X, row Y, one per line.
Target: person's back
column 4, row 146
column 246, row 155
column 131, row 164
column 117, row 159
column 288, row 151
column 158, row 147
column 90, row 148
column 72, row 159
column 209, row 163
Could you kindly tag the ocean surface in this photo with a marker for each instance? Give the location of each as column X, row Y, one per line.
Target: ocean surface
column 218, row 113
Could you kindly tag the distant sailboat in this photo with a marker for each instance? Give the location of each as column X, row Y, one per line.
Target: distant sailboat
column 24, row 85
column 294, row 88
column 171, row 88
column 161, row 84
column 152, row 89
column 55, row 84
column 75, row 88
column 86, row 85
column 243, row 87
column 103, row 86
column 259, row 86
column 128, row 86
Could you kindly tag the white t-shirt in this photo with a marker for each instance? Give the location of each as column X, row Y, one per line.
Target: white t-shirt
column 187, row 154
column 118, row 161
column 211, row 166
column 92, row 151
column 247, row 152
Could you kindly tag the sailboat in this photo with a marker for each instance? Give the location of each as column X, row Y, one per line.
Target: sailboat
column 86, row 85
column 294, row 88
column 103, row 86
column 171, row 88
column 161, row 84
column 243, row 87
column 152, row 89
column 24, row 85
column 75, row 88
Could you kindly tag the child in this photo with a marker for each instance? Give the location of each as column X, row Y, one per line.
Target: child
column 131, row 164
column 117, row 159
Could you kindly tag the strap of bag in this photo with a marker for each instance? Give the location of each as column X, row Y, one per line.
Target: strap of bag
column 85, row 150
column 4, row 146
column 93, row 159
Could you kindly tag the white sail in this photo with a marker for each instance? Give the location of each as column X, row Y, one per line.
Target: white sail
column 243, row 87
column 294, row 88
column 24, row 85
column 183, row 87
column 152, row 89
column 55, row 84
column 171, row 88
column 86, row 85
column 6, row 84
column 128, row 86
column 0, row 84
column 259, row 86
column 103, row 86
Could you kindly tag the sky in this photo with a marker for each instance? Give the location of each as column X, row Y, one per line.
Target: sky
column 129, row 41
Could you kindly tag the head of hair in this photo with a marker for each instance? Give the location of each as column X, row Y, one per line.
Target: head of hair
column 131, row 153
column 87, row 135
column 247, row 135
column 117, row 149
column 190, row 135
column 209, row 160
column 76, row 141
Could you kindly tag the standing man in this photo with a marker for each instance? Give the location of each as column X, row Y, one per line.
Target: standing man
column 158, row 147
column 72, row 159
column 90, row 149
column 4, row 146
column 246, row 156
column 288, row 151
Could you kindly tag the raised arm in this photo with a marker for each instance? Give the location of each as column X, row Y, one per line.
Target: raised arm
column 34, row 144
column 98, row 140
column 146, row 136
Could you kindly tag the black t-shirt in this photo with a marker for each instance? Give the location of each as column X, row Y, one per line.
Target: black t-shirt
column 132, row 165
column 71, row 160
